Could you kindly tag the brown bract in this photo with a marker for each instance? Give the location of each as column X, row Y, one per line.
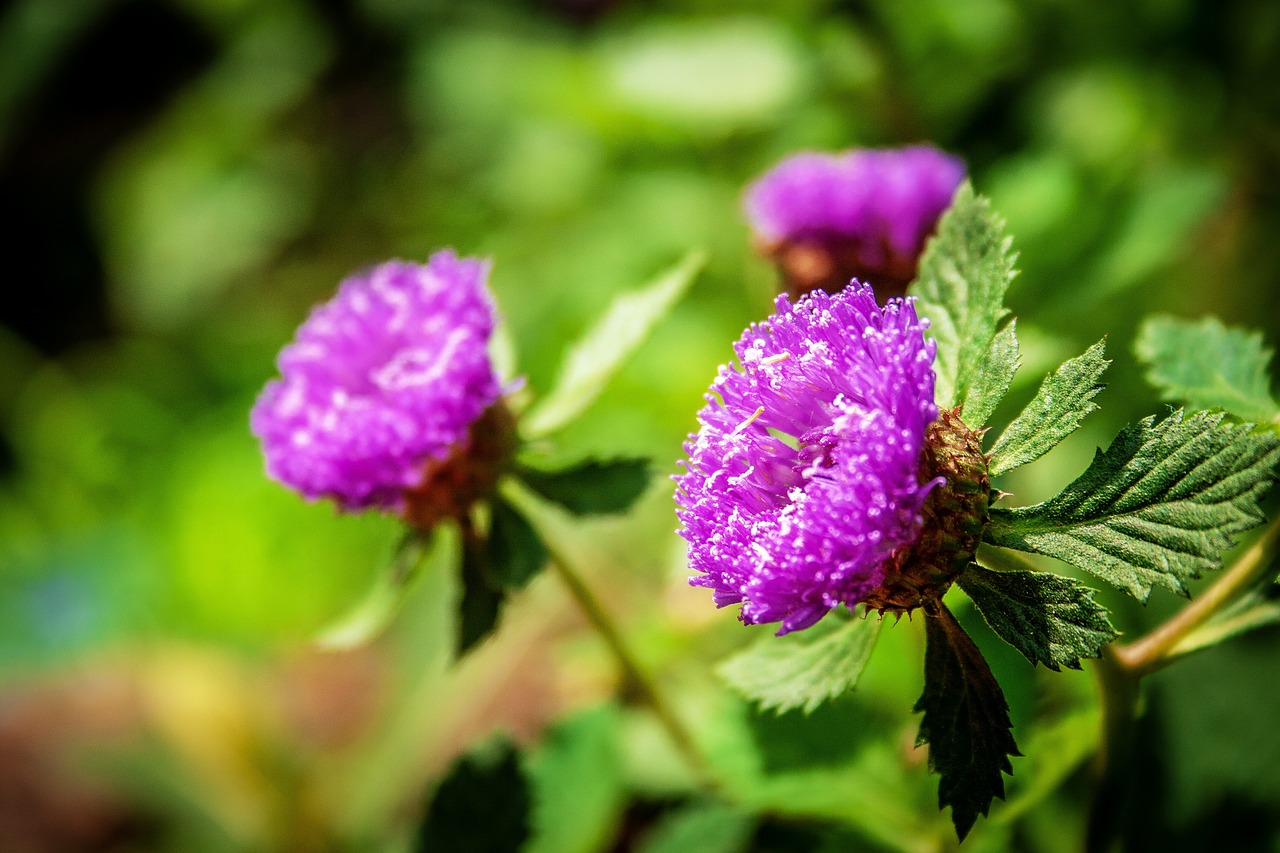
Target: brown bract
column 955, row 514
column 452, row 485
column 830, row 262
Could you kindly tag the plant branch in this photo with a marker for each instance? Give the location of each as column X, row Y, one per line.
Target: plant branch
column 632, row 671
column 1158, row 648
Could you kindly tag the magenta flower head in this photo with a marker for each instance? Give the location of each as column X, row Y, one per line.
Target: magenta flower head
column 825, row 219
column 811, row 481
column 387, row 398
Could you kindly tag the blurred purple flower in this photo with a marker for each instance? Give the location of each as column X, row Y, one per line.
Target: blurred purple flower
column 805, row 477
column 382, row 382
column 828, row 218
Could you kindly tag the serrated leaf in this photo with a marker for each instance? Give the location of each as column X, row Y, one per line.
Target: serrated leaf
column 966, row 721
column 964, row 273
column 591, row 362
column 1064, row 400
column 592, row 487
column 1050, row 619
column 1156, row 509
column 514, row 552
column 1207, row 365
column 482, row 806
column 381, row 604
column 805, row 668
column 994, row 377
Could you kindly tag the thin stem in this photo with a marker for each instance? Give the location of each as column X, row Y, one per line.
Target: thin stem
column 631, row 668
column 1118, row 692
column 1158, row 648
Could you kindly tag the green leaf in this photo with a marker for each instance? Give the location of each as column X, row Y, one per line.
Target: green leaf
column 481, row 597
column 1207, row 365
column 1055, row 749
column 1051, row 619
column 966, row 721
column 591, row 362
column 514, row 552
column 964, row 274
column 578, row 790
column 494, row 564
column 382, row 603
column 1064, row 400
column 592, row 487
column 482, row 806
column 701, row 828
column 1156, row 509
column 994, row 378
column 805, row 668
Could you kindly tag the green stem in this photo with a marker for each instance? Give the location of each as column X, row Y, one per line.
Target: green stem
column 1158, row 648
column 632, row 671
column 1118, row 695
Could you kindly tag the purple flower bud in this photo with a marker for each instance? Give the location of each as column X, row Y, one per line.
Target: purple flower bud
column 805, row 478
column 383, row 384
column 865, row 214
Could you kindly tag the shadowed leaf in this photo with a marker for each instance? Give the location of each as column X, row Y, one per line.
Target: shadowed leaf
column 1050, row 619
column 482, row 806
column 593, row 487
column 966, row 721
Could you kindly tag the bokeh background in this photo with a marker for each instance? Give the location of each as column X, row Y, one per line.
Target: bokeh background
column 180, row 181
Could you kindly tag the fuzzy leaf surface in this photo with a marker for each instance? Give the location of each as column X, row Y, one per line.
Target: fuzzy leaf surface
column 1157, row 508
column 996, row 375
column 1064, row 400
column 590, row 363
column 592, row 487
column 966, row 722
column 1207, row 365
column 482, row 806
column 964, row 274
column 805, row 668
column 1049, row 618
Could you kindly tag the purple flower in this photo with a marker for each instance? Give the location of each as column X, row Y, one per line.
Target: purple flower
column 805, row 477
column 865, row 213
column 381, row 382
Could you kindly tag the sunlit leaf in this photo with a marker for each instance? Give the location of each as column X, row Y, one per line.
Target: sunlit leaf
column 578, row 792
column 600, row 353
column 1207, row 365
column 1064, row 400
column 1157, row 508
column 701, row 828
column 805, row 668
column 1002, row 361
column 964, row 274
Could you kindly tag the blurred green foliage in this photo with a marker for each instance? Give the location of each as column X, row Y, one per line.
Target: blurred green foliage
column 181, row 180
